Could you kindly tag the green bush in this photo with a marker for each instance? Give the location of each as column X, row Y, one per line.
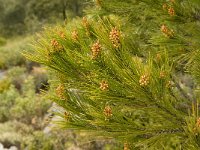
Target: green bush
column 2, row 41
column 14, row 132
column 28, row 105
column 39, row 141
column 7, row 101
column 17, row 76
column 20, row 103
column 4, row 84
column 11, row 53
column 40, row 78
column 56, row 140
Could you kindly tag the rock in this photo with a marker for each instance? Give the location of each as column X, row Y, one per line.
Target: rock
column 2, row 74
column 13, row 148
column 1, row 147
column 74, row 148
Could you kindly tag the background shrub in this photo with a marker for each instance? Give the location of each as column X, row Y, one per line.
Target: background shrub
column 2, row 41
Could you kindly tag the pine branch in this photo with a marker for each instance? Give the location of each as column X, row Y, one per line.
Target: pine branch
column 183, row 93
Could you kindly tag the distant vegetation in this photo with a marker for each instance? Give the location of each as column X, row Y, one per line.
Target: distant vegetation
column 19, row 17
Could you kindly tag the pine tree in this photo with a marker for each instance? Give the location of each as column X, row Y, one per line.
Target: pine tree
column 129, row 70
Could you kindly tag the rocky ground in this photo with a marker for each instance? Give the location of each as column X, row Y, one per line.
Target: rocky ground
column 10, row 148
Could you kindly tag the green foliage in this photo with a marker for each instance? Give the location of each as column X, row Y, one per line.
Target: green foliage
column 4, row 85
column 7, row 101
column 18, row 98
column 11, row 53
column 57, row 140
column 40, row 78
column 116, row 72
column 2, row 41
column 17, row 17
column 16, row 75
column 28, row 105
column 40, row 141
column 12, row 132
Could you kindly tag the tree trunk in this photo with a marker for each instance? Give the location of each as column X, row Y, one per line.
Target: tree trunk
column 64, row 9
